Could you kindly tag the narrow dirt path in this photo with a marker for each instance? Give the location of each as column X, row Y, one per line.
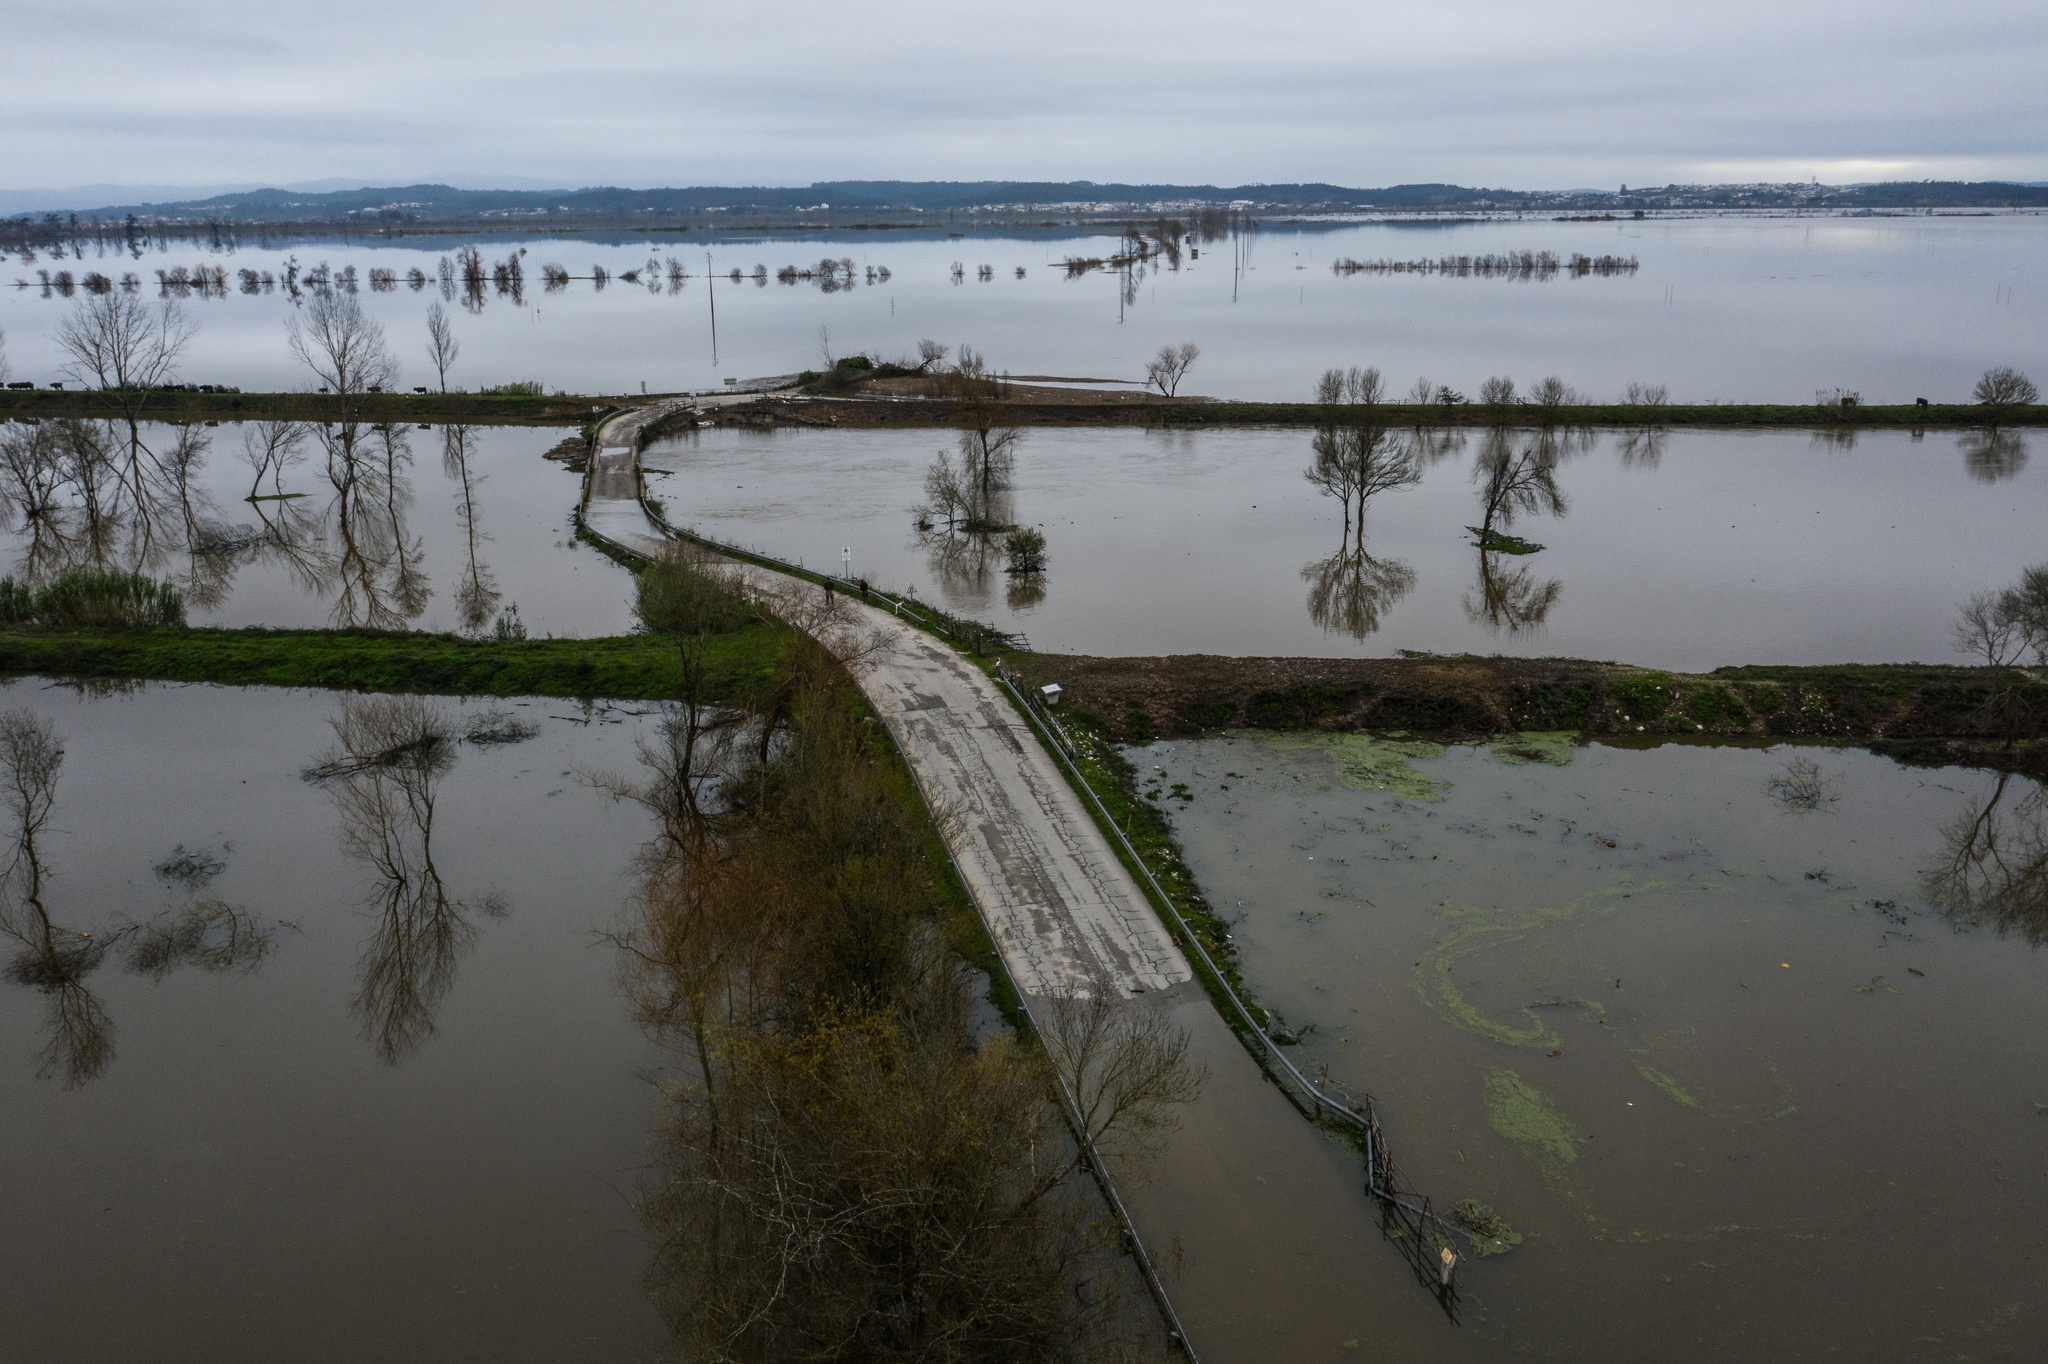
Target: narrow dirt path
column 1270, row 1245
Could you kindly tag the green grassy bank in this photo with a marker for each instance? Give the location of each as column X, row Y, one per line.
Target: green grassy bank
column 630, row 667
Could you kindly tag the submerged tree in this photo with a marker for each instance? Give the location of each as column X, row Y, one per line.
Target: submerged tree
column 1516, row 477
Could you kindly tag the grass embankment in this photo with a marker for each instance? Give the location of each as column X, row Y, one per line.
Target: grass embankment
column 630, row 667
column 508, row 409
column 1136, row 409
column 1068, row 408
column 1919, row 713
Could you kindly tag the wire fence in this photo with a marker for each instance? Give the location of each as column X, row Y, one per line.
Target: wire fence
column 1426, row 1238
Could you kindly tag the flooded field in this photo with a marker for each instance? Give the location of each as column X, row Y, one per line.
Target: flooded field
column 1750, row 310
column 1746, row 1046
column 427, row 528
column 1683, row 549
column 343, row 1071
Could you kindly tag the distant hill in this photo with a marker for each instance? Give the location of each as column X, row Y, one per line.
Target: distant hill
column 835, row 200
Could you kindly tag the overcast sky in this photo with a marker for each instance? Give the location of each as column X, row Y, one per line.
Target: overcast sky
column 1362, row 92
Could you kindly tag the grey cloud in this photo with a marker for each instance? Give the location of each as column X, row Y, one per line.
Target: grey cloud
column 1578, row 93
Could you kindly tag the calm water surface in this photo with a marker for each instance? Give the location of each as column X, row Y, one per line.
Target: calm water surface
column 1743, row 310
column 1686, row 550
column 447, row 529
column 1726, row 1063
column 296, row 1111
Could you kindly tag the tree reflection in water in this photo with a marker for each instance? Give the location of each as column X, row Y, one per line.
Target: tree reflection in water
column 1516, row 474
column 1643, row 447
column 1510, row 599
column 1356, row 458
column 1351, row 591
column 52, row 960
column 64, row 492
column 206, row 931
column 477, row 596
column 389, row 755
column 1992, row 871
column 1993, row 454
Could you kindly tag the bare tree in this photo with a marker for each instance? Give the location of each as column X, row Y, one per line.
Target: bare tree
column 930, row 354
column 1357, row 463
column 342, row 345
column 1361, row 387
column 1988, row 629
column 1654, row 397
column 1514, row 482
column 126, row 350
column 1166, row 370
column 2005, row 387
column 988, row 466
column 442, row 347
column 1499, row 391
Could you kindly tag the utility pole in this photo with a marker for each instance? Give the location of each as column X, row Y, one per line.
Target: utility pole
column 711, row 286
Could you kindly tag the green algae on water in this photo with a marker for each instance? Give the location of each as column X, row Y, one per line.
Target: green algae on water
column 1525, row 1115
column 1367, row 762
column 1553, row 748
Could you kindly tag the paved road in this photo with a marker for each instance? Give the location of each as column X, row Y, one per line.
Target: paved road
column 1271, row 1245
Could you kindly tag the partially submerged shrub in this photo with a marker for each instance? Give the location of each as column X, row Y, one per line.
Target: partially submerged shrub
column 1026, row 549
column 104, row 597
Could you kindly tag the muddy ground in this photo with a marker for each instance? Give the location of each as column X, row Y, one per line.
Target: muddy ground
column 1978, row 716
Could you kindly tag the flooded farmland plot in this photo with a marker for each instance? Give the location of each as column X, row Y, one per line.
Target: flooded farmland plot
column 405, row 527
column 1744, row 1047
column 1678, row 549
column 307, row 1054
column 1734, row 309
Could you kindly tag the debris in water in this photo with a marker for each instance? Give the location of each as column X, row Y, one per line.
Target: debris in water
column 1490, row 1234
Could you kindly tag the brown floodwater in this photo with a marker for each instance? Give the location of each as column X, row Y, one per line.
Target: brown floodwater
column 294, row 1111
column 1716, row 1048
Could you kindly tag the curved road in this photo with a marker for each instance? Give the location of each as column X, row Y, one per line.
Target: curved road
column 1269, row 1244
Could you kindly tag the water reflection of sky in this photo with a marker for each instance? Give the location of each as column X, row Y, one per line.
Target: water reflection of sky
column 1685, row 549
column 405, row 527
column 1720, row 309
